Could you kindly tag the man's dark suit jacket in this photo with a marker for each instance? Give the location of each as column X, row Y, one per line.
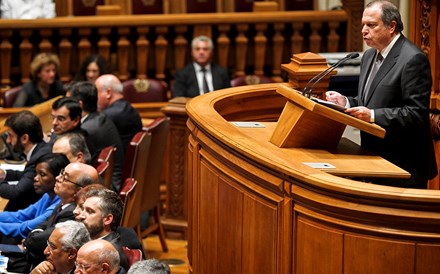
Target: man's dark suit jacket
column 101, row 132
column 115, row 239
column 185, row 80
column 126, row 119
column 23, row 194
column 400, row 95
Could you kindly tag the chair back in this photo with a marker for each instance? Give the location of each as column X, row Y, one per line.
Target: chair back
column 133, row 255
column 145, row 90
column 105, row 164
column 127, row 195
column 250, row 80
column 9, row 96
column 135, row 166
column 82, row 9
column 159, row 129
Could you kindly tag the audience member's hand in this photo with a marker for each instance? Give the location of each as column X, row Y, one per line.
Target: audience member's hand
column 361, row 113
column 336, row 98
column 45, row 267
column 2, row 175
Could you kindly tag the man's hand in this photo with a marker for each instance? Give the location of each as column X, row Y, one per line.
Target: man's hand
column 335, row 98
column 45, row 267
column 2, row 175
column 361, row 113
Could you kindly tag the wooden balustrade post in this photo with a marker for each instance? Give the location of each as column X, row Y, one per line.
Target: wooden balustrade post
column 25, row 55
column 277, row 53
column 65, row 55
column 161, row 52
column 142, row 45
column 241, row 49
column 333, row 37
column 223, row 43
column 104, row 43
column 260, row 48
column 45, row 45
column 315, row 38
column 123, row 45
column 180, row 47
column 297, row 38
column 84, row 45
column 6, row 55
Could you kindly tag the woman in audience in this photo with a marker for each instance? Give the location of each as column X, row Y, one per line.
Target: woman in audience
column 19, row 223
column 44, row 84
column 91, row 68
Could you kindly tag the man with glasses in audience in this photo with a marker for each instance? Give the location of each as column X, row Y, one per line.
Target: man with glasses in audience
column 62, row 248
column 96, row 257
column 74, row 147
column 71, row 179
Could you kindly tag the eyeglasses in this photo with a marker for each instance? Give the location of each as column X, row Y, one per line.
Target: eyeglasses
column 83, row 267
column 63, row 178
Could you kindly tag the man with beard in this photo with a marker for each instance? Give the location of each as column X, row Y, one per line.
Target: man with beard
column 101, row 214
column 62, row 248
column 25, row 134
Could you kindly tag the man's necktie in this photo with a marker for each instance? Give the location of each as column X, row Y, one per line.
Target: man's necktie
column 375, row 67
column 205, row 83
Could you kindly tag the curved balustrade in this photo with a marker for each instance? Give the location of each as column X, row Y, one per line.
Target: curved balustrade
column 155, row 46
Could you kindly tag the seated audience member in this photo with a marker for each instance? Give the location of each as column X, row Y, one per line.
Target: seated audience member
column 150, row 266
column 74, row 177
column 44, row 84
column 74, row 147
column 91, row 68
column 200, row 76
column 128, row 235
column 98, row 256
column 101, row 214
column 62, row 248
column 111, row 102
column 25, row 9
column 18, row 224
column 101, row 132
column 25, row 134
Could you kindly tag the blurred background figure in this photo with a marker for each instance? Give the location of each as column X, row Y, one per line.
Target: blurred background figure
column 27, row 9
column 44, row 84
column 91, row 68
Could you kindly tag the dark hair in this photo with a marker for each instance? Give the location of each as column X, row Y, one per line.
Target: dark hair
column 109, row 203
column 87, row 93
column 25, row 122
column 71, row 104
column 55, row 162
column 83, row 191
column 389, row 13
column 95, row 58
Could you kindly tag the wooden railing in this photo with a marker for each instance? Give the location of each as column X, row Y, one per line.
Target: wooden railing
column 154, row 46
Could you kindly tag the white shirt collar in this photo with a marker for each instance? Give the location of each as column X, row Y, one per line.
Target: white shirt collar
column 29, row 154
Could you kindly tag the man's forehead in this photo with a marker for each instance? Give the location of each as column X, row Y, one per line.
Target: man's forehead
column 63, row 110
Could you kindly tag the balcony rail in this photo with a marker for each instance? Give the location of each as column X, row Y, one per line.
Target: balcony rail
column 154, row 46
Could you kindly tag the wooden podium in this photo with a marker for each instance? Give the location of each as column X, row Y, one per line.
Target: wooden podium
column 305, row 123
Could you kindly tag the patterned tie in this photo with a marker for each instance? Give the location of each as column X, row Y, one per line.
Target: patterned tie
column 205, row 83
column 373, row 72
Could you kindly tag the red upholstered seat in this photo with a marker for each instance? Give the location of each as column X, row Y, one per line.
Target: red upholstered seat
column 250, row 80
column 127, row 195
column 9, row 96
column 133, row 255
column 85, row 7
column 106, row 156
column 145, row 90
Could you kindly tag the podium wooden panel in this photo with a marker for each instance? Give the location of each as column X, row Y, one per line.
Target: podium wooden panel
column 257, row 208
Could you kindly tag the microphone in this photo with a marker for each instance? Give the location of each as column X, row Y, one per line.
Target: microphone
column 326, row 72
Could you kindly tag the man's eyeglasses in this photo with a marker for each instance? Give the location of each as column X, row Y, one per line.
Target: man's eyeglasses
column 63, row 178
column 83, row 267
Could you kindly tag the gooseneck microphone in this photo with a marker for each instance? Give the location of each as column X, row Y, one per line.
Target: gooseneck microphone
column 325, row 72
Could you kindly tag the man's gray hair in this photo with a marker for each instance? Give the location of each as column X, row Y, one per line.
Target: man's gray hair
column 110, row 82
column 150, row 266
column 202, row 38
column 75, row 234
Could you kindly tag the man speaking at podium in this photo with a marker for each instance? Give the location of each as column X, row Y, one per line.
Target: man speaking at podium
column 394, row 92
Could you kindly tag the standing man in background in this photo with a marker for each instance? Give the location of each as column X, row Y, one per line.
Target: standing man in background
column 394, row 92
column 201, row 76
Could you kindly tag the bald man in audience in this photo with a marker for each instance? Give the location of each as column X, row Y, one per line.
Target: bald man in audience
column 96, row 257
column 74, row 147
column 74, row 177
column 62, row 248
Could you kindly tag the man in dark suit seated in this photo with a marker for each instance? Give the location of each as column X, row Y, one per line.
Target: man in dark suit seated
column 200, row 76
column 69, row 182
column 25, row 134
column 101, row 214
column 101, row 131
column 111, row 102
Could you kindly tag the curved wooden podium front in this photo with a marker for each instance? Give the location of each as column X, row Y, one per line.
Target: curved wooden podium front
column 257, row 208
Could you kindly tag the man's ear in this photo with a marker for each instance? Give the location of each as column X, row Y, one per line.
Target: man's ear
column 80, row 157
column 105, row 268
column 108, row 219
column 76, row 121
column 72, row 254
column 109, row 93
column 24, row 139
